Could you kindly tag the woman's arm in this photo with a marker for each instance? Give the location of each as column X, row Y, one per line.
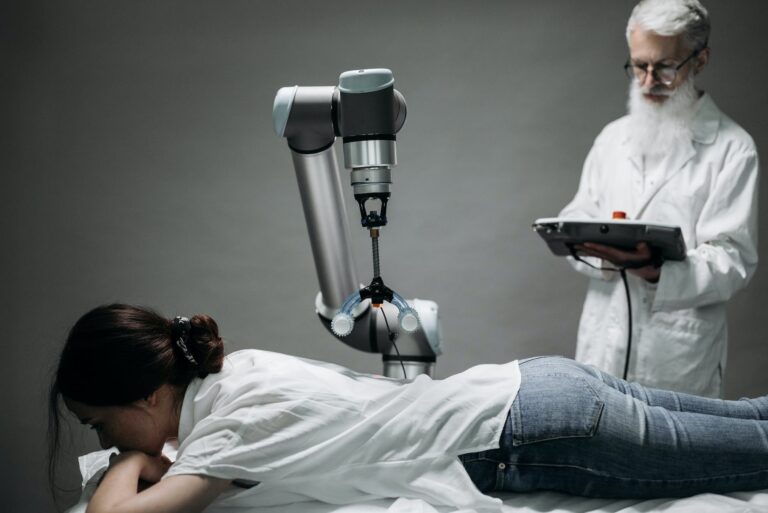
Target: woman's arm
column 118, row 491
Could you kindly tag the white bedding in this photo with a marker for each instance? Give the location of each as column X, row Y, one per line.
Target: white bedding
column 93, row 465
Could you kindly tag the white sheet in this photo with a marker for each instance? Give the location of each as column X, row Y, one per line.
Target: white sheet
column 93, row 465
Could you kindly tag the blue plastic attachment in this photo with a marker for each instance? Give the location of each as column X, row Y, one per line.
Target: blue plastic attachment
column 344, row 321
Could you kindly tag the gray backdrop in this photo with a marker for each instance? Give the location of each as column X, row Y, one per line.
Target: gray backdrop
column 139, row 165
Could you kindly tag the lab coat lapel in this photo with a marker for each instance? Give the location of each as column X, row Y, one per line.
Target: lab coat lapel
column 704, row 128
column 637, row 161
column 673, row 163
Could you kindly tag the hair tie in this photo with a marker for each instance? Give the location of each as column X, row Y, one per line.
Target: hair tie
column 180, row 333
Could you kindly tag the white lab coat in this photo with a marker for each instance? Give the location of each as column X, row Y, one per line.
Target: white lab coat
column 709, row 189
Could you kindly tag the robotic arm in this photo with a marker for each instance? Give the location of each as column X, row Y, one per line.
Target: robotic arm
column 367, row 112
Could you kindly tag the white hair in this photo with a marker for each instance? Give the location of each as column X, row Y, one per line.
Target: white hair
column 673, row 18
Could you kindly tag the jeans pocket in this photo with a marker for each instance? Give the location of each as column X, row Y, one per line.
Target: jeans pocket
column 554, row 406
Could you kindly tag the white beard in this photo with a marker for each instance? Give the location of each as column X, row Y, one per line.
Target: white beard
column 656, row 128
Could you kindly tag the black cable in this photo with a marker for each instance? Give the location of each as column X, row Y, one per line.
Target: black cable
column 623, row 272
column 392, row 336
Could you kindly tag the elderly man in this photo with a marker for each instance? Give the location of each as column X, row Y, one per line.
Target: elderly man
column 674, row 159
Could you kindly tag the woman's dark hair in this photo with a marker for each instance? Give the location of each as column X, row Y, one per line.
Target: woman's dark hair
column 117, row 354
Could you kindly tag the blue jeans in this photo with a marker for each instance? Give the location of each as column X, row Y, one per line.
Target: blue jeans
column 575, row 429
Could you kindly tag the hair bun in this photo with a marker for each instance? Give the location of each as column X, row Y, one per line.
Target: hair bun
column 206, row 344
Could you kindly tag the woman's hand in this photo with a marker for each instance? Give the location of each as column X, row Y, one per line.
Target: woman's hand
column 123, row 489
column 151, row 468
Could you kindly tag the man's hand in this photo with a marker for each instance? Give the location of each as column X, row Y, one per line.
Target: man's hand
column 621, row 258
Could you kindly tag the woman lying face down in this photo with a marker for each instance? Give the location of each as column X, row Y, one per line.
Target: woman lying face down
column 292, row 429
column 121, row 375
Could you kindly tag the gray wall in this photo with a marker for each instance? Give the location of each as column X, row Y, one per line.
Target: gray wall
column 139, row 165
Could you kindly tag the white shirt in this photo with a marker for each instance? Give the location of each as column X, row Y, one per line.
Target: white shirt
column 709, row 189
column 308, row 430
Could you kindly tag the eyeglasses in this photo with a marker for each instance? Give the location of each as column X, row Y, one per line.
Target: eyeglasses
column 664, row 74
